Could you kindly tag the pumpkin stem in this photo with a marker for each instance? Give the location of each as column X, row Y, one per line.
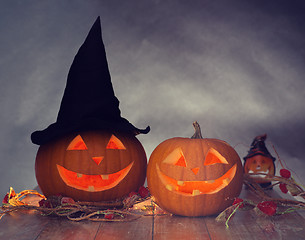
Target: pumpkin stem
column 197, row 134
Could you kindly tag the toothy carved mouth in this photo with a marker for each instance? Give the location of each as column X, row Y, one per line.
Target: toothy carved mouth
column 92, row 183
column 193, row 188
column 259, row 174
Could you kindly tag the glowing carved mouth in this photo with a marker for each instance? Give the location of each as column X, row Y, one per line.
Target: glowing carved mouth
column 193, row 188
column 259, row 174
column 92, row 183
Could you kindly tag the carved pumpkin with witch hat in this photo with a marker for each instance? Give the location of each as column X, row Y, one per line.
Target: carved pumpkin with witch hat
column 259, row 161
column 90, row 153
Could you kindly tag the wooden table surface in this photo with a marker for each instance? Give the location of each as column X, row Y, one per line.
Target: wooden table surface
column 30, row 224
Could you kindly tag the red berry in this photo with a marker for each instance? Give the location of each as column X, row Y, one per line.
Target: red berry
column 65, row 200
column 5, row 199
column 131, row 194
column 238, row 201
column 143, row 192
column 267, row 207
column 283, row 187
column 109, row 216
column 45, row 203
column 285, row 173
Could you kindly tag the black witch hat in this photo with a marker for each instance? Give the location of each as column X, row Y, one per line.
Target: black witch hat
column 258, row 147
column 89, row 102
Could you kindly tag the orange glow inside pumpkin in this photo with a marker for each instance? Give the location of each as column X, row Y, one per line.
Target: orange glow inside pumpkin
column 214, row 157
column 115, row 143
column 176, row 158
column 92, row 183
column 77, row 144
column 97, row 160
column 181, row 162
column 193, row 188
column 195, row 170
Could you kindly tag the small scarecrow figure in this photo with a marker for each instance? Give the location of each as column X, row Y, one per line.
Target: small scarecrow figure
column 260, row 161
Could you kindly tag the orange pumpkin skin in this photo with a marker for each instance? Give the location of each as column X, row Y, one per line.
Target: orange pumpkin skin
column 194, row 187
column 88, row 166
column 260, row 164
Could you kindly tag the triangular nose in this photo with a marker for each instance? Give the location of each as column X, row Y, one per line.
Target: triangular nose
column 195, row 170
column 97, row 160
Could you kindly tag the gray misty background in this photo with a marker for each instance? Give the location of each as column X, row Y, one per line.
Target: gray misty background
column 237, row 67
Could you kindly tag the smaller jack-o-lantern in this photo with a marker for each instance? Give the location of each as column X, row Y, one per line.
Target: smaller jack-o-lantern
column 91, row 166
column 259, row 161
column 194, row 176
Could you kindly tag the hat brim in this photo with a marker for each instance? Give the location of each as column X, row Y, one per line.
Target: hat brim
column 258, row 153
column 57, row 130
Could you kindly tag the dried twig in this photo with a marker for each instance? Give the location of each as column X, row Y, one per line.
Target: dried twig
column 75, row 211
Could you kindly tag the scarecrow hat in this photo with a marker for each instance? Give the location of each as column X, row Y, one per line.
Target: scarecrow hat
column 88, row 102
column 258, row 147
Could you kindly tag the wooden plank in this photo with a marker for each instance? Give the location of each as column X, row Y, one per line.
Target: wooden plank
column 140, row 228
column 244, row 225
column 176, row 227
column 286, row 226
column 250, row 225
column 30, row 225
column 22, row 225
column 137, row 229
column 241, row 226
column 61, row 228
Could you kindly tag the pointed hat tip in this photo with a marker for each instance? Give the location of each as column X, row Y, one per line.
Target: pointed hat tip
column 98, row 19
column 89, row 70
column 97, row 23
column 258, row 147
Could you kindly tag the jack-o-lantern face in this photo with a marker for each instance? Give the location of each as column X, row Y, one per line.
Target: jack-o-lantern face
column 194, row 177
column 260, row 164
column 91, row 166
column 200, row 184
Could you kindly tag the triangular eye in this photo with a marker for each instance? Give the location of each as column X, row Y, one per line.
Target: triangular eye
column 77, row 144
column 176, row 157
column 214, row 157
column 115, row 143
column 181, row 162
